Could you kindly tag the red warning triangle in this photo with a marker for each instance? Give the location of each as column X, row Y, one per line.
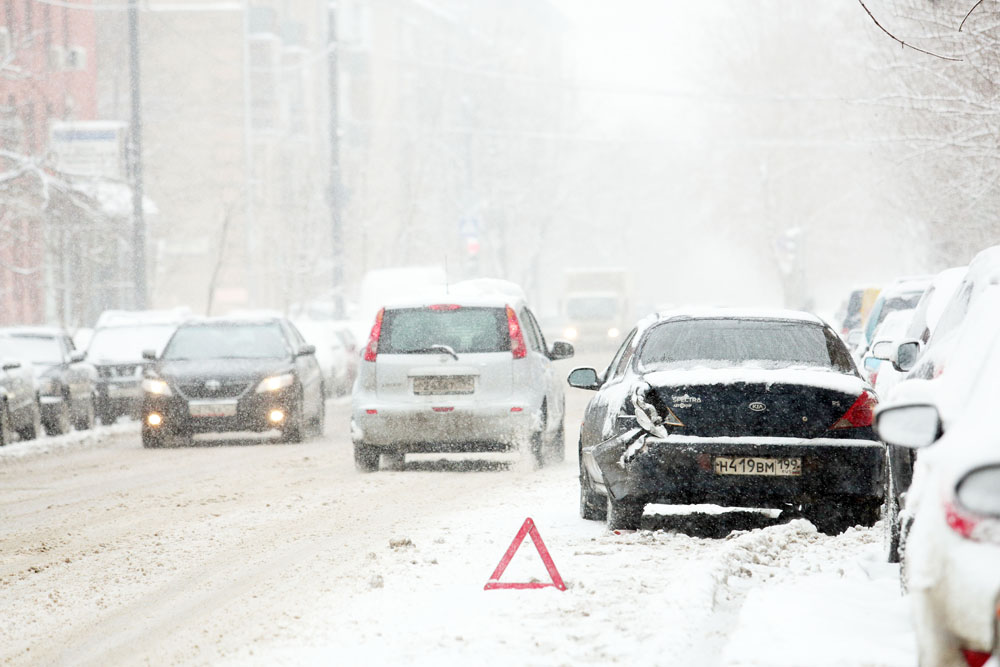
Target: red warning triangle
column 527, row 528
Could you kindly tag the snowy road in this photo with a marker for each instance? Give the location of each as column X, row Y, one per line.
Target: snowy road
column 256, row 552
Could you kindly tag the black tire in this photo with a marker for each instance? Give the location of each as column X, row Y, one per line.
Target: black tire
column 85, row 422
column 624, row 514
column 108, row 416
column 558, row 446
column 837, row 515
column 319, row 421
column 60, row 423
column 294, row 429
column 365, row 457
column 593, row 506
column 34, row 427
column 890, row 525
column 151, row 439
column 6, row 428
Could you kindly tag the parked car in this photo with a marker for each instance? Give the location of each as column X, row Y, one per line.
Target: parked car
column 736, row 408
column 856, row 310
column 336, row 352
column 462, row 371
column 901, row 295
column 892, row 329
column 115, row 350
column 20, row 411
column 951, row 542
column 218, row 375
column 65, row 382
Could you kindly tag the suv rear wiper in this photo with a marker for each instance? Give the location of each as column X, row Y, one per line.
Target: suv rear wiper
column 443, row 349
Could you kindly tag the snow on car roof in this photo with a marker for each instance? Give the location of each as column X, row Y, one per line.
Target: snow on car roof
column 134, row 318
column 716, row 312
column 39, row 331
column 482, row 292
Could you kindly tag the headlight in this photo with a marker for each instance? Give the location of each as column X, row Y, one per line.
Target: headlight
column 570, row 333
column 613, row 332
column 156, row 387
column 276, row 382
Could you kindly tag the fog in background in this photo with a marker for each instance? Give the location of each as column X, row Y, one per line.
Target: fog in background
column 774, row 152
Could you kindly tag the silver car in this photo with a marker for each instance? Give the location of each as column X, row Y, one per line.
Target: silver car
column 458, row 374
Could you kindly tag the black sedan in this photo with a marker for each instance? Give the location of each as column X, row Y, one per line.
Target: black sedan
column 65, row 381
column 747, row 409
column 223, row 375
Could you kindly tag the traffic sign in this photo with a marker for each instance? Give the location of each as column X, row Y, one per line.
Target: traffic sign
column 527, row 528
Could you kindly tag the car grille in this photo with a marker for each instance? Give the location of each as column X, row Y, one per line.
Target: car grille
column 129, row 370
column 221, row 389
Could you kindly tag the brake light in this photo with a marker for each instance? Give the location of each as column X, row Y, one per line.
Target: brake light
column 859, row 414
column 371, row 350
column 975, row 658
column 962, row 523
column 517, row 346
column 445, row 306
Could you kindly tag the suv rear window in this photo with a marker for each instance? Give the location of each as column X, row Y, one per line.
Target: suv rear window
column 414, row 330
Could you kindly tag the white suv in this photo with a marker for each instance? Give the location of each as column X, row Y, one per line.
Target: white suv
column 463, row 371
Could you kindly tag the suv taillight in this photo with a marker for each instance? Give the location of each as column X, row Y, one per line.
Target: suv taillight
column 517, row 346
column 371, row 350
column 859, row 414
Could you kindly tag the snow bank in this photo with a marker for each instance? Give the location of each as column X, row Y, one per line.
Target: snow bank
column 73, row 440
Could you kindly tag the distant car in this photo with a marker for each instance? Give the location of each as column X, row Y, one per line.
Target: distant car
column 66, row 383
column 892, row 329
column 728, row 407
column 336, row 352
column 901, row 295
column 462, row 371
column 856, row 310
column 20, row 411
column 115, row 349
column 219, row 375
column 950, row 546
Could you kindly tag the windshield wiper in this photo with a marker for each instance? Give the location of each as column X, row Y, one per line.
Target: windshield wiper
column 443, row 349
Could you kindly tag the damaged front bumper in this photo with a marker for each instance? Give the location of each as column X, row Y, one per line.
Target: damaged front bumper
column 679, row 469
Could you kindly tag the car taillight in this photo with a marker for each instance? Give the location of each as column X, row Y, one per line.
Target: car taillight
column 445, row 306
column 371, row 350
column 517, row 346
column 961, row 522
column 975, row 658
column 859, row 414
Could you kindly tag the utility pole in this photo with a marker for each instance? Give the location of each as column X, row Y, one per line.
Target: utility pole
column 135, row 160
column 336, row 231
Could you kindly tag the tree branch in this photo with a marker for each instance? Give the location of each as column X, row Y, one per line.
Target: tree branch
column 901, row 42
column 962, row 24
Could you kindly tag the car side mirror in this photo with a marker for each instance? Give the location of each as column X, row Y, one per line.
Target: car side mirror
column 914, row 426
column 872, row 363
column 561, row 350
column 906, row 356
column 77, row 357
column 11, row 365
column 882, row 350
column 149, row 355
column 584, row 378
column 306, row 350
column 854, row 337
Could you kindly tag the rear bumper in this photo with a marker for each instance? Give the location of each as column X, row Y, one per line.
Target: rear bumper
column 421, row 428
column 680, row 470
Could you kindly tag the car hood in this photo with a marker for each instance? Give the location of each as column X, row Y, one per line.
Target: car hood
column 222, row 369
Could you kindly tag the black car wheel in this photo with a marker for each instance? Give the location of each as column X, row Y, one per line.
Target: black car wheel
column 151, row 438
column 365, row 457
column 6, row 430
column 33, row 428
column 837, row 515
column 624, row 514
column 85, row 421
column 319, row 421
column 292, row 432
column 60, row 421
column 593, row 506
column 108, row 415
column 891, row 523
column 558, row 446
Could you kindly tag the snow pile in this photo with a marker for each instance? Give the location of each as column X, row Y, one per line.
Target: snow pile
column 25, row 449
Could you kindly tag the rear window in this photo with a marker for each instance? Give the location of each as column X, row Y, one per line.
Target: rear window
column 415, row 330
column 720, row 343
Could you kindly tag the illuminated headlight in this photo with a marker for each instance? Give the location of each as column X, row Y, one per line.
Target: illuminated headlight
column 276, row 382
column 613, row 332
column 570, row 333
column 156, row 387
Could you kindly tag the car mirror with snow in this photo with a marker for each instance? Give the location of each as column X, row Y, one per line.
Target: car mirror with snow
column 561, row 350
column 912, row 426
column 149, row 355
column 881, row 350
column 584, row 378
column 854, row 337
column 11, row 365
column 77, row 357
column 306, row 349
column 906, row 356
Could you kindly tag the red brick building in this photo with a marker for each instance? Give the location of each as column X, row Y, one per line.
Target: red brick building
column 47, row 73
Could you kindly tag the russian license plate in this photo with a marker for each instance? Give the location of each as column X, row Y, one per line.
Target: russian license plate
column 756, row 465
column 432, row 385
column 212, row 408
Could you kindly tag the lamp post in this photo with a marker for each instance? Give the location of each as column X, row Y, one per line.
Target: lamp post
column 135, row 161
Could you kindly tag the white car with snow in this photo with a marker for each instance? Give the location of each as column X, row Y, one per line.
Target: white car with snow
column 465, row 370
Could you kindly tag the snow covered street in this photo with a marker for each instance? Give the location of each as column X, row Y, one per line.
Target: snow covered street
column 263, row 553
